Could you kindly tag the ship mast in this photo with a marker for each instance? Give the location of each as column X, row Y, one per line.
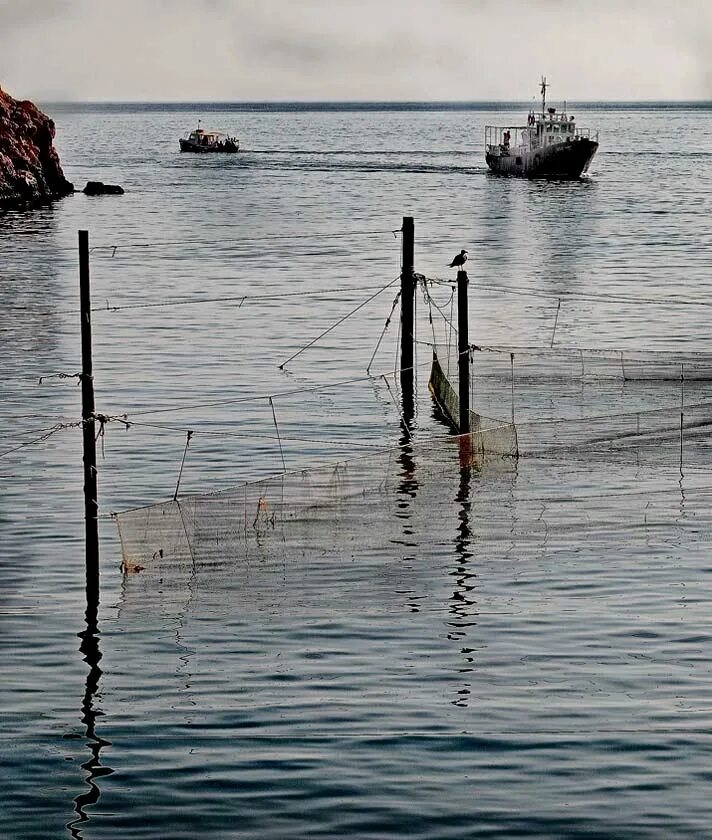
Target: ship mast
column 544, row 86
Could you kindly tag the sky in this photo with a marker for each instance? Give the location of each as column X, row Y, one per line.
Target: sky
column 253, row 50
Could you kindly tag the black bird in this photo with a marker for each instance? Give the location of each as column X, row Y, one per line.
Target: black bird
column 459, row 260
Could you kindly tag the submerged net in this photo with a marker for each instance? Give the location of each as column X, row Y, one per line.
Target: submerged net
column 581, row 422
column 373, row 517
column 306, row 508
column 576, row 364
column 490, row 436
column 584, row 403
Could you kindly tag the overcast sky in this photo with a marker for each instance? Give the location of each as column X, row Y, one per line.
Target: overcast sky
column 205, row 50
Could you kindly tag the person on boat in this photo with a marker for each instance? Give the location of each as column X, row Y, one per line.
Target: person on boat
column 507, row 137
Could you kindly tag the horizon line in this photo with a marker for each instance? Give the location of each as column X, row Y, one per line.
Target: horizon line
column 365, row 101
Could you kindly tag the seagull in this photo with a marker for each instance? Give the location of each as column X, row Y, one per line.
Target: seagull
column 459, row 260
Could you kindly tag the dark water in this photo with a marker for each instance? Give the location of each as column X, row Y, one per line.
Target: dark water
column 523, row 651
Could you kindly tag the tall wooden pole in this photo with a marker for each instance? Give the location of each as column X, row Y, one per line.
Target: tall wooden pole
column 89, row 646
column 407, row 310
column 91, row 506
column 463, row 353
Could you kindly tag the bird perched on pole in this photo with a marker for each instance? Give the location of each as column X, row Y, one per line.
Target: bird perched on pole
column 459, row 260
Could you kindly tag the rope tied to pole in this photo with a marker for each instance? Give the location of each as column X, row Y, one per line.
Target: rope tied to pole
column 77, row 376
column 102, row 420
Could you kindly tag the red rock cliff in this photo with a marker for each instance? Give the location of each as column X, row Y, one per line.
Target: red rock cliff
column 30, row 171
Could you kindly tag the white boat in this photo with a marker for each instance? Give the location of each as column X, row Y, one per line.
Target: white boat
column 550, row 145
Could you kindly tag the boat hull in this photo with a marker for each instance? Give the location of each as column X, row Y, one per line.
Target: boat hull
column 226, row 149
column 561, row 160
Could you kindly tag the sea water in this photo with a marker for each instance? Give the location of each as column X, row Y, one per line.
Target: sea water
column 520, row 651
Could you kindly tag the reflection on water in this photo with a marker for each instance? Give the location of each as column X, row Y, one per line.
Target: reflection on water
column 89, row 648
column 463, row 607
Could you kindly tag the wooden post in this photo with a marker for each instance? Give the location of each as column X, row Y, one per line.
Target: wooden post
column 463, row 353
column 91, row 506
column 407, row 310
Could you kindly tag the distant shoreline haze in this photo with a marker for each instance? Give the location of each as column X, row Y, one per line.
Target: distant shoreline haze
column 304, row 106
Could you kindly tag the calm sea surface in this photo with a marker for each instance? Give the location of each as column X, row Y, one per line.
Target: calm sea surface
column 520, row 651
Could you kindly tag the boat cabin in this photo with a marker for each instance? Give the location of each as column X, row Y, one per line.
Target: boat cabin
column 200, row 137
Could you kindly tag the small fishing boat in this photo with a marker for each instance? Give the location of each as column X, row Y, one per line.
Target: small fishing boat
column 550, row 145
column 201, row 140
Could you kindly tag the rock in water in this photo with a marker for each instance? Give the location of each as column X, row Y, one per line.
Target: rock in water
column 99, row 188
column 30, row 171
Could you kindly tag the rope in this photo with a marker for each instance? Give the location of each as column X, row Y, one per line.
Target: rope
column 603, row 296
column 163, row 427
column 383, row 332
column 450, row 324
column 43, row 437
column 188, row 436
column 230, row 299
column 398, row 341
column 340, row 321
column 254, row 398
column 281, row 451
column 511, row 362
column 405, row 425
column 228, row 240
column 556, row 321
column 451, row 304
column 77, row 376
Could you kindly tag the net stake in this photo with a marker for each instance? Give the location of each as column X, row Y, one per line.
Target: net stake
column 407, row 317
column 91, row 505
column 463, row 353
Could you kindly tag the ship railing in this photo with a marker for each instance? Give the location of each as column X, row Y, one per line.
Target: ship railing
column 495, row 139
column 587, row 134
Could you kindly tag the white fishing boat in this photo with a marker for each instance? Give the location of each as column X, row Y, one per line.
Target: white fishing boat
column 550, row 145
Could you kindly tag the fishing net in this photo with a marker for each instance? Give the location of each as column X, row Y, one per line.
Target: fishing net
column 601, row 425
column 367, row 521
column 489, row 435
column 583, row 403
column 306, row 508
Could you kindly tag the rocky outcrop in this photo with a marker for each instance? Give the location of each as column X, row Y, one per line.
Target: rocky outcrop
column 30, row 172
column 99, row 188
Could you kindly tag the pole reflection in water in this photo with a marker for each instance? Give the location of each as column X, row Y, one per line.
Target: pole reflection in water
column 461, row 602
column 89, row 648
column 408, row 487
